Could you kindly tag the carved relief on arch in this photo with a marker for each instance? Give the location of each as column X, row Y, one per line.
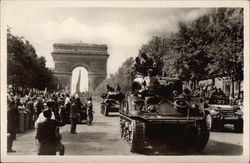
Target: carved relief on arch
column 98, row 66
column 61, row 66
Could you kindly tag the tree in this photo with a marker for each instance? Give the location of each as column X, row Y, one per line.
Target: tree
column 121, row 77
column 220, row 36
column 24, row 68
column 191, row 43
column 158, row 48
column 227, row 48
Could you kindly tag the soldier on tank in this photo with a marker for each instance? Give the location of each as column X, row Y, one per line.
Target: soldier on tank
column 118, row 89
column 137, row 66
column 109, row 89
column 147, row 63
column 147, row 86
column 146, row 60
column 151, row 83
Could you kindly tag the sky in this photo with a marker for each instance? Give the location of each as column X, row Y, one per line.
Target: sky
column 124, row 30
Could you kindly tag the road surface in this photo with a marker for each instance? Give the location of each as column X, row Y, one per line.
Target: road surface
column 103, row 138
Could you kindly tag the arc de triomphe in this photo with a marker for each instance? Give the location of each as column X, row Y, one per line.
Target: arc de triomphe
column 93, row 57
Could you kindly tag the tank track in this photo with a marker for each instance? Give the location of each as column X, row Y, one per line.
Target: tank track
column 195, row 137
column 133, row 132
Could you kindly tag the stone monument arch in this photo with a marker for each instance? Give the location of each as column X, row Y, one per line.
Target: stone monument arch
column 93, row 57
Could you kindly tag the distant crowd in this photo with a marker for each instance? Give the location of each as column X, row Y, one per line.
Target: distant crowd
column 215, row 95
column 145, row 66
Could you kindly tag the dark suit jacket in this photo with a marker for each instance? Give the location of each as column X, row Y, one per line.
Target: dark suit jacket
column 12, row 116
column 46, row 131
column 75, row 108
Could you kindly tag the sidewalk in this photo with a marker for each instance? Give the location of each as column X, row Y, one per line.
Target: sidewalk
column 25, row 143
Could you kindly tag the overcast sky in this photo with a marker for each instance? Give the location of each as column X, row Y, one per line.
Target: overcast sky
column 124, row 30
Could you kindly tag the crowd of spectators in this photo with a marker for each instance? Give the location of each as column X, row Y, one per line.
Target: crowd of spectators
column 215, row 95
column 24, row 109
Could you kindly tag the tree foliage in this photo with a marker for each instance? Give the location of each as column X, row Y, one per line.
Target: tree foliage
column 121, row 77
column 159, row 49
column 209, row 47
column 24, row 68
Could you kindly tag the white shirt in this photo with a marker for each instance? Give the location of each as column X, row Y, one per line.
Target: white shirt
column 67, row 100
column 41, row 118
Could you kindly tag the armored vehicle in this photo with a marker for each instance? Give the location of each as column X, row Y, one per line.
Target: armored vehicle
column 225, row 114
column 111, row 102
column 166, row 112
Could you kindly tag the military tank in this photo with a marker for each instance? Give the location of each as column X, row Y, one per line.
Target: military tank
column 168, row 112
column 111, row 102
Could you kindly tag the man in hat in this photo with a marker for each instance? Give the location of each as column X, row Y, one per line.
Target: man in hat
column 46, row 134
column 137, row 66
column 74, row 113
column 11, row 122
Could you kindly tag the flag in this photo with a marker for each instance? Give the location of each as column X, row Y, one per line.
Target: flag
column 78, row 83
column 45, row 90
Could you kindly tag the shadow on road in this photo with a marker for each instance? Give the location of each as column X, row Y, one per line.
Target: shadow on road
column 227, row 130
column 101, row 124
column 113, row 115
column 214, row 148
column 83, row 136
column 222, row 148
column 25, row 132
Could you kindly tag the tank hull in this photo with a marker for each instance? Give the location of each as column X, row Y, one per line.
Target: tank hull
column 140, row 128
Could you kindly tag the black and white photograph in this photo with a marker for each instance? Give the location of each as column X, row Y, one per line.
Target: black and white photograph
column 117, row 81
